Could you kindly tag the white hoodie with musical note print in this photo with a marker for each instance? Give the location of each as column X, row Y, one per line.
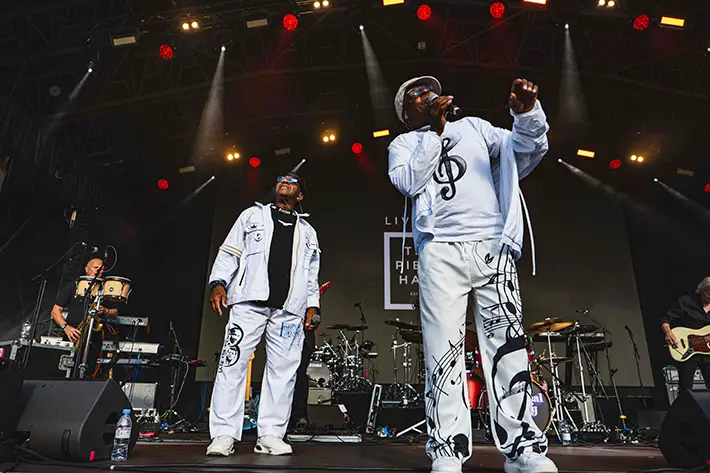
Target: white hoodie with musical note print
column 464, row 184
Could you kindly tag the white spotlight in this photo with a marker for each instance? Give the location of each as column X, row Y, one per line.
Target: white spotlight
column 566, row 26
column 655, row 179
column 559, row 160
column 90, row 70
column 362, row 28
column 224, row 49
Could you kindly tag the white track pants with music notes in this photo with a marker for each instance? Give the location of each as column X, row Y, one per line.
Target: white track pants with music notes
column 448, row 272
column 284, row 343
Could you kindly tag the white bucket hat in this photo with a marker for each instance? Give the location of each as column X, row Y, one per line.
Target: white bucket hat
column 417, row 81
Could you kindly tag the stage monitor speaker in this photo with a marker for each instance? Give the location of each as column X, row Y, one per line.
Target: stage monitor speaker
column 329, row 417
column 684, row 439
column 73, row 419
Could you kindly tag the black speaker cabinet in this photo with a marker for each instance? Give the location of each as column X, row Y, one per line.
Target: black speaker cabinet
column 685, row 438
column 72, row 419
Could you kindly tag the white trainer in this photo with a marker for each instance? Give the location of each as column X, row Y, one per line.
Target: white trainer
column 446, row 465
column 221, row 446
column 270, row 445
column 530, row 462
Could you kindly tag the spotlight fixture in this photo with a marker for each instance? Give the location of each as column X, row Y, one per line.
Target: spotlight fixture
column 316, row 5
column 230, row 157
column 357, row 147
column 362, row 27
column 585, row 153
column 611, row 4
column 424, row 12
column 325, row 139
column 566, row 26
column 290, row 22
column 641, row 22
column 90, row 70
column 328, row 136
column 332, row 137
column 166, row 52
column 672, row 22
column 640, row 159
column 536, row 2
column 163, row 184
column 386, row 3
column 326, row 3
column 655, row 179
column 497, row 10
column 633, row 157
column 194, row 25
column 707, row 188
column 254, row 162
column 223, row 48
column 380, row 133
column 186, row 26
column 615, row 164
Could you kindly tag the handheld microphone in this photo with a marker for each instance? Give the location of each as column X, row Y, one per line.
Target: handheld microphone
column 452, row 110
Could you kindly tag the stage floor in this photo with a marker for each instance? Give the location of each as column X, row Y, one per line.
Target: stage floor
column 380, row 457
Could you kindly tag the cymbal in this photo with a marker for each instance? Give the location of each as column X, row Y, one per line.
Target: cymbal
column 554, row 324
column 555, row 359
column 402, row 325
column 471, row 341
column 338, row 327
column 579, row 328
column 354, row 328
column 413, row 336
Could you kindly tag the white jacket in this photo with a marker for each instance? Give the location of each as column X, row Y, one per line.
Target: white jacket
column 243, row 260
column 414, row 156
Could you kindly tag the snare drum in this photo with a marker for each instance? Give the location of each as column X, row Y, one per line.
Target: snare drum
column 116, row 289
column 82, row 286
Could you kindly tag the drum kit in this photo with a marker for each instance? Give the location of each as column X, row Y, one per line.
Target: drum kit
column 340, row 366
column 550, row 396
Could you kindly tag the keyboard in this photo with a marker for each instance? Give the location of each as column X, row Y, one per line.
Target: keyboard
column 131, row 347
column 134, row 321
column 128, row 361
column 56, row 342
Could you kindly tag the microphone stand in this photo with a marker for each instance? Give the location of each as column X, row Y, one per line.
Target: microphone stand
column 85, row 341
column 612, row 372
column 43, row 277
column 362, row 332
column 638, row 367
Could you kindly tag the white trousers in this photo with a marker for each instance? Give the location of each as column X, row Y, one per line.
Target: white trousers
column 284, row 342
column 448, row 272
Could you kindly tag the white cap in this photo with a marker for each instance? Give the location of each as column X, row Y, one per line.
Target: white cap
column 417, row 81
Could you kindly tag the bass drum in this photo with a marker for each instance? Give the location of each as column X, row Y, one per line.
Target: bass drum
column 541, row 408
column 318, row 375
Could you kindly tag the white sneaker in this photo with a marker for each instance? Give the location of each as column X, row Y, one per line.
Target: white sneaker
column 270, row 445
column 221, row 446
column 530, row 462
column 446, row 465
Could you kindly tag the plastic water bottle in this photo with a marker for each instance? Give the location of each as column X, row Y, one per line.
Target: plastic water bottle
column 565, row 433
column 122, row 437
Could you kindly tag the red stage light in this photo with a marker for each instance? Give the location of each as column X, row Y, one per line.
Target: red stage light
column 166, row 52
column 497, row 10
column 290, row 22
column 615, row 164
column 254, row 162
column 163, row 184
column 357, row 148
column 707, row 187
column 424, row 12
column 641, row 22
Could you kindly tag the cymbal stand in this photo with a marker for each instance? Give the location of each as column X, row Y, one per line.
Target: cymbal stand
column 86, row 333
column 581, row 375
column 556, row 391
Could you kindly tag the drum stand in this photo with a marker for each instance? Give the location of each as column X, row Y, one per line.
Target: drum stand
column 85, row 341
column 401, row 392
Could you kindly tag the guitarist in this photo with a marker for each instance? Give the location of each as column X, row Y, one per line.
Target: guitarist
column 690, row 311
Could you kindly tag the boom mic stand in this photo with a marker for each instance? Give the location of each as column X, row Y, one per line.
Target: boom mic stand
column 43, row 277
column 612, row 372
column 638, row 366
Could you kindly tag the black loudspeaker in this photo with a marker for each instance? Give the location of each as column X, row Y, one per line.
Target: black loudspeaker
column 684, row 439
column 328, row 417
column 72, row 419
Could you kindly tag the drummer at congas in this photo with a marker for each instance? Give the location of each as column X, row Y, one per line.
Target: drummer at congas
column 71, row 297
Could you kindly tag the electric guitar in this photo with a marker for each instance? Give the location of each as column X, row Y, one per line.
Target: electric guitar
column 690, row 342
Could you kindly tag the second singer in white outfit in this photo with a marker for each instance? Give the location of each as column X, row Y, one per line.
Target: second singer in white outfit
column 266, row 272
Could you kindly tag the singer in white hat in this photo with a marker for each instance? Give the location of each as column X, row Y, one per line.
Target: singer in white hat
column 467, row 223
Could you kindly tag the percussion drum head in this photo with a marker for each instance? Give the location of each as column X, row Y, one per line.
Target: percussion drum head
column 116, row 289
column 318, row 374
column 82, row 286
